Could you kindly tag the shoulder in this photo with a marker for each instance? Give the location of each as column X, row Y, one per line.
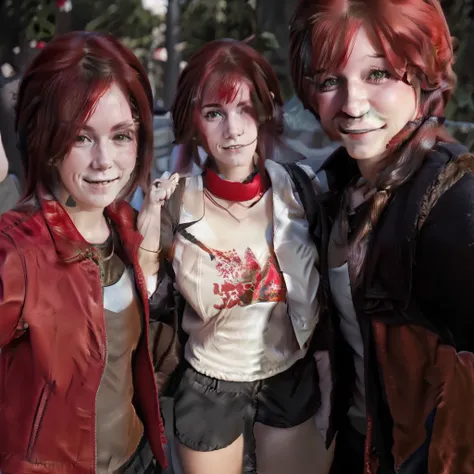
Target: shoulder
column 283, row 171
column 26, row 229
column 452, row 188
column 21, row 235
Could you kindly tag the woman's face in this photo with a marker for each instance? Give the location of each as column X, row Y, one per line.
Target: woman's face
column 362, row 104
column 229, row 131
column 103, row 156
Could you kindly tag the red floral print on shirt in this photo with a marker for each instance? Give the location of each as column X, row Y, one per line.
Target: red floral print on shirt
column 245, row 282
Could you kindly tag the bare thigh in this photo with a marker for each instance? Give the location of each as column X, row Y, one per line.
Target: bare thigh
column 296, row 450
column 227, row 460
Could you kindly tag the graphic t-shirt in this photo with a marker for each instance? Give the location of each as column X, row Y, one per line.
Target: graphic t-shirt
column 237, row 318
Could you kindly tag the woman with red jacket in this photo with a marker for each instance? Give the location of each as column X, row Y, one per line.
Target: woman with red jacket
column 77, row 388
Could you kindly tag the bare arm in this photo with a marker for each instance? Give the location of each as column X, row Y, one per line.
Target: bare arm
column 149, row 225
column 3, row 162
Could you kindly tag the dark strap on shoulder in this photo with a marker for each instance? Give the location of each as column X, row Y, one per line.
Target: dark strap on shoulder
column 391, row 256
column 434, row 163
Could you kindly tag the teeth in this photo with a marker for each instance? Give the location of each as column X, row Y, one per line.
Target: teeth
column 100, row 182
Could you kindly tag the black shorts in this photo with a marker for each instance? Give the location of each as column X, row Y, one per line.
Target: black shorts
column 211, row 414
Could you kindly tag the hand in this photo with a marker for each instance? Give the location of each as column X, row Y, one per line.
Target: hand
column 149, row 217
column 161, row 190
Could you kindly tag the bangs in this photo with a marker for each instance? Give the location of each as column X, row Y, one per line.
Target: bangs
column 332, row 40
column 77, row 106
column 223, row 88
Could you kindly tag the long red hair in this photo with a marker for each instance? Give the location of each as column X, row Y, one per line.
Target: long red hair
column 416, row 41
column 221, row 66
column 57, row 96
column 413, row 34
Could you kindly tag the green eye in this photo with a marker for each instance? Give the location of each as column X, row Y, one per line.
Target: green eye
column 211, row 115
column 379, row 75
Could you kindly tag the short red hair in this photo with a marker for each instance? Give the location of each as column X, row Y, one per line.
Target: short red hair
column 57, row 96
column 222, row 65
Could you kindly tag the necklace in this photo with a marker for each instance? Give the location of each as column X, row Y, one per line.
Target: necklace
column 106, row 259
column 214, row 201
column 101, row 248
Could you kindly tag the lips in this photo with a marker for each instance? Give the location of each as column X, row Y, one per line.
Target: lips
column 235, row 146
column 100, row 181
column 359, row 131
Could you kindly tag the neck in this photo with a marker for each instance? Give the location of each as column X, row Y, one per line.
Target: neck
column 369, row 170
column 235, row 173
column 90, row 223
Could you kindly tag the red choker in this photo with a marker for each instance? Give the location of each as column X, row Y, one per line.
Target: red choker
column 231, row 190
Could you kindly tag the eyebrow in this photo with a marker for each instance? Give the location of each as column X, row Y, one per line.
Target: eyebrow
column 205, row 106
column 372, row 56
column 117, row 126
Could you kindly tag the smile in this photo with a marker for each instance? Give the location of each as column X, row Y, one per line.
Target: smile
column 233, row 147
column 100, row 182
column 237, row 147
column 360, row 131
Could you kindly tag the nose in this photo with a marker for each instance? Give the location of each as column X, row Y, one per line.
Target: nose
column 356, row 103
column 235, row 125
column 103, row 157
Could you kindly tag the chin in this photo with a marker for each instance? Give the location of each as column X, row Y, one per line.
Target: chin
column 98, row 202
column 237, row 161
column 364, row 152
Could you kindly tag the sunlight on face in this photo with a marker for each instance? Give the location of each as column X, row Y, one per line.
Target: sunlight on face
column 103, row 156
column 363, row 104
column 229, row 131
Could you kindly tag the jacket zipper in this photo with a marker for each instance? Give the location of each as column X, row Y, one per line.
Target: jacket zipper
column 104, row 367
column 38, row 418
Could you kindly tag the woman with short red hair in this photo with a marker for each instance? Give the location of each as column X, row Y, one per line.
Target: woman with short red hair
column 236, row 236
column 378, row 75
column 77, row 388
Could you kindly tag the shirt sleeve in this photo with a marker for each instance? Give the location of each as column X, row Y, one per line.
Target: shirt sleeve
column 444, row 264
column 12, row 292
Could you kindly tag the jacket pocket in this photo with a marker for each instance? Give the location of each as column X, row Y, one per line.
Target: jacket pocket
column 40, row 410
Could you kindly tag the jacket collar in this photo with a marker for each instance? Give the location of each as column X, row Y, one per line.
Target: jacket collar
column 69, row 243
column 340, row 169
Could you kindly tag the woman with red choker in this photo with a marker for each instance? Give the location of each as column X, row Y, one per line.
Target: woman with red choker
column 246, row 266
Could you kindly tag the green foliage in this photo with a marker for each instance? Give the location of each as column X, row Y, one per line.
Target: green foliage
column 205, row 20
column 460, row 14
column 126, row 19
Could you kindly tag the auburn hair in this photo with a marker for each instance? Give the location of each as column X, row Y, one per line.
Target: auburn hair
column 221, row 66
column 58, row 94
column 416, row 42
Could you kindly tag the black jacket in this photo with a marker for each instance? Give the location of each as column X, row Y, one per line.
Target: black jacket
column 415, row 308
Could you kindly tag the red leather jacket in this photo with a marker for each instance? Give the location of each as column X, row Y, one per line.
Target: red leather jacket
column 53, row 343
